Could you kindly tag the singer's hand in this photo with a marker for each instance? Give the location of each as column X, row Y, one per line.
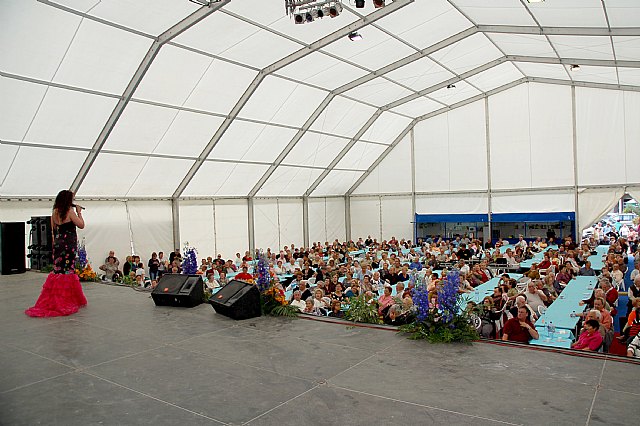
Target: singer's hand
column 78, row 209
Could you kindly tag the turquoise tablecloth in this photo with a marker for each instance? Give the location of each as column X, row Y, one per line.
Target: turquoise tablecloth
column 596, row 260
column 559, row 312
column 539, row 257
column 561, row 339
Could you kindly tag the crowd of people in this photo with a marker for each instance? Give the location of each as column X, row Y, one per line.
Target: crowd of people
column 323, row 278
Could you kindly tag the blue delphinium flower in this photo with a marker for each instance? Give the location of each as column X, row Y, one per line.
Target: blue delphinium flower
column 448, row 296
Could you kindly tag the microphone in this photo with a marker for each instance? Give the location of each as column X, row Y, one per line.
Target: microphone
column 77, row 205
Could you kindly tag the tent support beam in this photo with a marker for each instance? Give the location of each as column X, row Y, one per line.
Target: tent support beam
column 488, row 238
column 574, row 140
column 144, row 66
column 547, row 31
column 175, row 221
column 251, row 227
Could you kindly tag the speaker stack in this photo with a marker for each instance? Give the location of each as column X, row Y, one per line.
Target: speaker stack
column 237, row 300
column 41, row 242
column 178, row 290
column 12, row 250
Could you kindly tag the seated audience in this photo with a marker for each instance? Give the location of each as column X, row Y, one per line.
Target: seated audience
column 520, row 328
column 590, row 339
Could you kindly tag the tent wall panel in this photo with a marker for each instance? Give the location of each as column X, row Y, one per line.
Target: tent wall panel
column 197, row 226
column 452, row 203
column 151, row 225
column 266, row 225
column 317, row 220
column 595, row 203
column 396, row 218
column 533, row 201
column 393, row 174
column 365, row 217
column 336, row 228
column 106, row 228
column 231, row 227
column 290, row 220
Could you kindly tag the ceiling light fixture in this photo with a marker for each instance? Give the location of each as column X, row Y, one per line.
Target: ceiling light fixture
column 304, row 11
column 355, row 36
column 574, row 67
column 359, row 4
column 451, row 86
column 378, row 3
column 535, row 1
column 335, row 10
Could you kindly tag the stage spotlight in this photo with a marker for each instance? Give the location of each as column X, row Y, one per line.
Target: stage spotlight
column 355, row 36
column 451, row 86
column 298, row 19
column 335, row 10
column 320, row 13
column 308, row 17
column 574, row 67
column 359, row 4
column 378, row 3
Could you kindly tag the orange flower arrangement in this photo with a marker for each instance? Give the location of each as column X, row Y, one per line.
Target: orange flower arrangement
column 87, row 274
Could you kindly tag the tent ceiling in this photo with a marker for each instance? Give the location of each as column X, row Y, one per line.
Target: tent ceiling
column 239, row 101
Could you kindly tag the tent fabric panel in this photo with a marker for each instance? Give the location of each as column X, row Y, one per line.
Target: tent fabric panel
column 322, row 70
column 452, row 203
column 632, row 135
column 386, row 128
column 551, row 135
column 607, row 75
column 231, row 227
column 495, row 77
column 468, row 53
column 41, row 171
column 7, row 154
column 533, row 202
column 343, row 117
column 627, row 48
column 224, row 179
column 106, row 229
column 361, row 156
column 509, row 136
column 151, row 228
column 365, row 217
column 378, row 91
column 570, row 13
column 439, row 20
column 500, row 12
column 197, row 227
column 290, row 222
column 112, row 175
column 523, row 44
column 531, row 69
column 449, row 96
column 374, row 51
column 629, row 76
column 600, row 135
column 20, row 101
column 277, row 100
column 159, row 177
column 393, row 174
column 266, row 224
column 335, row 217
column 180, row 67
column 21, row 38
column 447, row 218
column 432, row 154
column 420, row 74
column 69, row 118
column 337, row 182
column 623, row 13
column 317, row 220
column 101, row 58
column 314, row 31
column 260, row 49
column 289, row 181
column 396, row 218
column 583, row 47
column 188, row 134
column 418, row 107
column 220, row 87
column 594, row 203
column 315, row 149
column 250, row 141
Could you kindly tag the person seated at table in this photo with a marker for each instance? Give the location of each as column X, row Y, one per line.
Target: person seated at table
column 497, row 298
column 504, row 279
column 590, row 339
column 399, row 289
column 312, row 309
column 244, row 275
column 533, row 273
column 610, row 295
column 520, row 328
column 598, row 292
column 632, row 326
column 618, row 276
column 535, row 297
column 546, row 262
column 336, row 309
column 338, row 294
column 548, row 291
column 353, row 290
column 279, row 268
column 633, row 350
column 489, row 314
column 385, row 300
column 318, row 299
column 330, row 285
column 297, row 301
column 564, row 276
column 587, row 270
column 403, row 275
column 521, row 302
column 416, row 264
column 395, row 316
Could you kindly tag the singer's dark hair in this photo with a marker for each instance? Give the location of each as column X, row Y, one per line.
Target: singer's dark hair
column 63, row 202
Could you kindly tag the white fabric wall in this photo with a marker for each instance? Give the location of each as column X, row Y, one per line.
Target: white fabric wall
column 326, row 220
column 365, row 217
column 452, row 203
column 266, row 224
column 396, row 218
column 290, row 218
column 393, row 174
column 106, row 228
column 231, row 227
column 533, row 202
column 151, row 227
column 595, row 203
column 197, row 226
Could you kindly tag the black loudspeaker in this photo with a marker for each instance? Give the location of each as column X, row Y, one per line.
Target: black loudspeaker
column 179, row 290
column 12, row 248
column 237, row 300
column 45, row 238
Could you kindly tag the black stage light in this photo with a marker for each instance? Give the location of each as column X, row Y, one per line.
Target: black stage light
column 320, row 13
column 308, row 17
column 359, row 4
column 378, row 3
column 298, row 19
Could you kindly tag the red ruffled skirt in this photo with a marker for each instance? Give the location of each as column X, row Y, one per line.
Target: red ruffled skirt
column 61, row 295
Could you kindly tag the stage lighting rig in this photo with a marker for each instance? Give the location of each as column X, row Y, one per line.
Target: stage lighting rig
column 207, row 3
column 305, row 11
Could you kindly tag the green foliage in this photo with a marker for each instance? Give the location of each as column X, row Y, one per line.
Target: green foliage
column 47, row 268
column 128, row 280
column 273, row 303
column 284, row 311
column 360, row 310
column 459, row 330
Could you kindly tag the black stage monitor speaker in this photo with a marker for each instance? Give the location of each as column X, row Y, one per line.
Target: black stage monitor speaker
column 178, row 290
column 12, row 248
column 237, row 300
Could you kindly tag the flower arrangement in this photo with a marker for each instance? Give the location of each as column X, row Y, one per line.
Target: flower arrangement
column 87, row 274
column 82, row 266
column 272, row 297
column 190, row 262
column 439, row 319
column 362, row 310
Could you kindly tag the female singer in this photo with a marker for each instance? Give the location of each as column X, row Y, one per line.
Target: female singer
column 62, row 293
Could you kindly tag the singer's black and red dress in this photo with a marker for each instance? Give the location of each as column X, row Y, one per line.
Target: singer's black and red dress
column 61, row 293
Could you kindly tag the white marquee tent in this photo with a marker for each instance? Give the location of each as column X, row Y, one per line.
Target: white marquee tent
column 230, row 127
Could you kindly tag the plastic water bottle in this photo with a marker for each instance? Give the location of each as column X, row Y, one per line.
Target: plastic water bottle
column 573, row 314
column 552, row 329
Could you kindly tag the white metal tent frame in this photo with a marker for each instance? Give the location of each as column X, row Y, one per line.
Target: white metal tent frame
column 201, row 13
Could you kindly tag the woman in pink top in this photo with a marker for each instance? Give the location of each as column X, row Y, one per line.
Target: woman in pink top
column 590, row 339
column 385, row 300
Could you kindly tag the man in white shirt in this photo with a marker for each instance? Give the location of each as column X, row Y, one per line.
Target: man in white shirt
column 521, row 242
column 297, row 301
column 535, row 297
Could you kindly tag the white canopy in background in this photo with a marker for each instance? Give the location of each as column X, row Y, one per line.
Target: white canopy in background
column 240, row 129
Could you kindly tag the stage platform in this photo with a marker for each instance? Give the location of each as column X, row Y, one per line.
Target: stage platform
column 123, row 361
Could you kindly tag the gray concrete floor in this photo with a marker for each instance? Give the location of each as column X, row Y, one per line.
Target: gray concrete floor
column 122, row 360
